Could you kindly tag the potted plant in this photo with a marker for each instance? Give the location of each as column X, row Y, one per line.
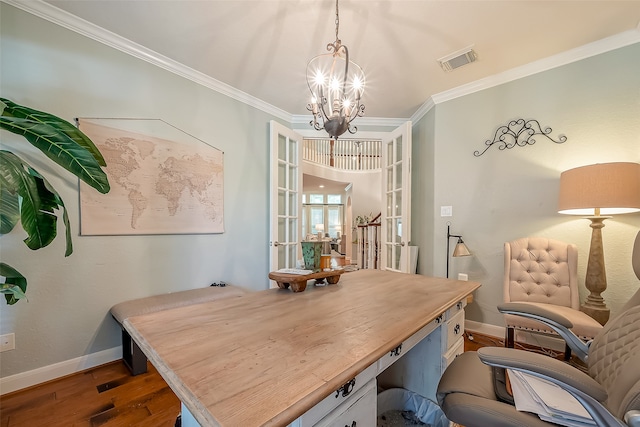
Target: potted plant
column 26, row 197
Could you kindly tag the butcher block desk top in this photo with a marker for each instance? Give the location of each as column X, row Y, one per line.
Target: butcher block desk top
column 265, row 358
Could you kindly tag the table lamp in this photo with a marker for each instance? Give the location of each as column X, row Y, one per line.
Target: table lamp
column 598, row 191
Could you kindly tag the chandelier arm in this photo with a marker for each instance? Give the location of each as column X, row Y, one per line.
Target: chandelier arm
column 346, row 70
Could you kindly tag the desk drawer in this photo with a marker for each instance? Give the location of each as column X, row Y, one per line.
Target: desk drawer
column 455, row 350
column 455, row 329
column 385, row 361
column 335, row 399
column 359, row 410
column 456, row 308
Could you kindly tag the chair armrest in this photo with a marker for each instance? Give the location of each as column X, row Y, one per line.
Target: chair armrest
column 555, row 321
column 580, row 385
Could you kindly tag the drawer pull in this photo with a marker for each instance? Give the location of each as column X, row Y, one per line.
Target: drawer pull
column 456, row 329
column 439, row 318
column 396, row 351
column 459, row 305
column 353, row 424
column 346, row 389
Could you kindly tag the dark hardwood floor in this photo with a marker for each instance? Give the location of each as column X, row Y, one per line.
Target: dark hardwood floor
column 106, row 396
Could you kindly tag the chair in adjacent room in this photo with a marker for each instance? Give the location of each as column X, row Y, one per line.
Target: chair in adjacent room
column 470, row 392
column 543, row 272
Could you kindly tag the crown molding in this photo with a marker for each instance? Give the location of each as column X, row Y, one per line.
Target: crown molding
column 71, row 22
column 592, row 49
column 617, row 41
column 64, row 19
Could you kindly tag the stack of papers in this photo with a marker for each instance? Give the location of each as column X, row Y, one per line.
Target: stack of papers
column 551, row 402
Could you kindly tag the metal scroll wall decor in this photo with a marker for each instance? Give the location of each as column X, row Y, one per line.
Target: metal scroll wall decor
column 519, row 132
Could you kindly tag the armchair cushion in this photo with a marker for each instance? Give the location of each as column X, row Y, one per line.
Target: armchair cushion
column 466, row 395
column 584, row 326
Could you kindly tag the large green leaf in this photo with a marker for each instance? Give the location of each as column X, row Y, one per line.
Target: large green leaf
column 9, row 209
column 11, row 109
column 50, row 200
column 59, row 148
column 15, row 284
column 38, row 200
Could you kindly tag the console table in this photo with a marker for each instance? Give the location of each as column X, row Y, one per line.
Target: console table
column 312, row 358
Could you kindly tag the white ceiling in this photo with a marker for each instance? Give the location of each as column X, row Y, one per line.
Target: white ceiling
column 262, row 47
column 312, row 183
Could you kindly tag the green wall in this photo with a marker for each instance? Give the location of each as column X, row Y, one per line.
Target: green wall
column 505, row 195
column 50, row 68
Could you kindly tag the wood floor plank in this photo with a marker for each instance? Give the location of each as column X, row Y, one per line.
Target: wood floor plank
column 105, row 396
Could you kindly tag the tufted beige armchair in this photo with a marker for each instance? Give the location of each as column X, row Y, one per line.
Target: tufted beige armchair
column 543, row 272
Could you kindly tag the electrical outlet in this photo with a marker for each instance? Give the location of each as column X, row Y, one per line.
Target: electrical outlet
column 7, row 342
column 446, row 211
column 463, row 276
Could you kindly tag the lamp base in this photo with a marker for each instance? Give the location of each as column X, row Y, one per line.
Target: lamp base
column 596, row 277
column 601, row 315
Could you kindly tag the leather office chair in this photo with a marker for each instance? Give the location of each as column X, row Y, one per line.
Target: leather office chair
column 610, row 390
column 543, row 272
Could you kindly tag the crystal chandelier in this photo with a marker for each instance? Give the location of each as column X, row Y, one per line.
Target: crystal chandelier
column 336, row 86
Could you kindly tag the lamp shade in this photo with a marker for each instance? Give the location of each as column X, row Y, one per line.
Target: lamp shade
column 461, row 249
column 611, row 188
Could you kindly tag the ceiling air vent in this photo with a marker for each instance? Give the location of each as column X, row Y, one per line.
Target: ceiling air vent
column 458, row 59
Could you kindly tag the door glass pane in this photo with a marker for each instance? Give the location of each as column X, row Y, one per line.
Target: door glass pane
column 293, row 151
column 293, row 205
column 398, row 230
column 293, row 230
column 292, row 256
column 389, row 178
column 281, row 257
column 390, row 153
column 281, row 230
column 398, row 206
column 398, row 176
column 398, row 149
column 293, row 177
column 282, row 209
column 389, row 204
column 389, row 255
column 282, row 147
column 396, row 261
column 390, row 230
column 282, row 175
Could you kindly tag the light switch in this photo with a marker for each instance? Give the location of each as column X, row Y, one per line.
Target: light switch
column 446, row 211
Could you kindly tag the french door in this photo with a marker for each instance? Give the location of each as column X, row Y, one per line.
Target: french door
column 396, row 200
column 285, row 201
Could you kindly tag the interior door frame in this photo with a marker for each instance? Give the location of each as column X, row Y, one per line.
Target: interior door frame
column 292, row 190
column 403, row 131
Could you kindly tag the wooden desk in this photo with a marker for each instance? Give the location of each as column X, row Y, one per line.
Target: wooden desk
column 266, row 358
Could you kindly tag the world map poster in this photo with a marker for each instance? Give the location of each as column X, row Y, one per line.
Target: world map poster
column 163, row 181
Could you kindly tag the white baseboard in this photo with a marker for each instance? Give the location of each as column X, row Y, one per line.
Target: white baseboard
column 540, row 340
column 57, row 370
